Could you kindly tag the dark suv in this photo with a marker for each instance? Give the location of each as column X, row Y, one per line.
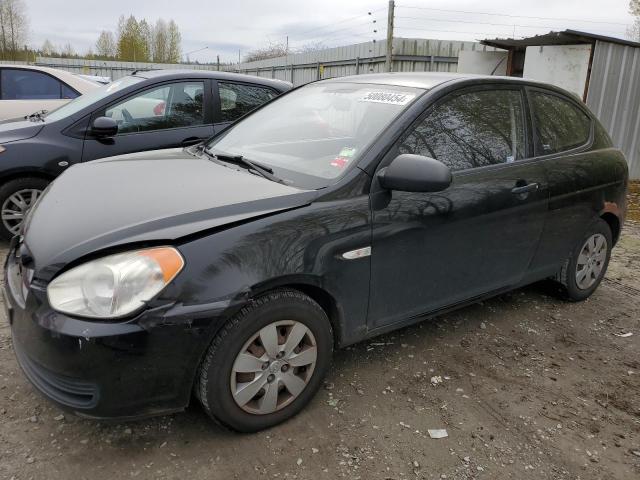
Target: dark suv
column 341, row 210
column 144, row 111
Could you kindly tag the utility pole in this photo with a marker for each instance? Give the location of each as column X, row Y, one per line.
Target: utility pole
column 388, row 65
column 218, row 61
column 287, row 49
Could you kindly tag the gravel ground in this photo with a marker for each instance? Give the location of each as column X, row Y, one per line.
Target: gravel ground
column 527, row 386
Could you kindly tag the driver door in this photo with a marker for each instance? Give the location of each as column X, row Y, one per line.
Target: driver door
column 169, row 115
column 434, row 250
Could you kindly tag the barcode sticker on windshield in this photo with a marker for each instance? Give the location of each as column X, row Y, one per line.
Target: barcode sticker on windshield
column 393, row 98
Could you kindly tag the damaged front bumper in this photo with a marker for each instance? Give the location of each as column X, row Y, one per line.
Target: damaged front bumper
column 117, row 370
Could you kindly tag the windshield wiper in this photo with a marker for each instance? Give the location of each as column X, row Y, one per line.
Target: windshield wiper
column 240, row 159
column 262, row 170
column 39, row 115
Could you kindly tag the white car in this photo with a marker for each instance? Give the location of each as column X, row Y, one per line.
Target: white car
column 27, row 89
column 95, row 78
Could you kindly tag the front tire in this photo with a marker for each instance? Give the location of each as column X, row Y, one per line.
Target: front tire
column 585, row 268
column 16, row 198
column 267, row 362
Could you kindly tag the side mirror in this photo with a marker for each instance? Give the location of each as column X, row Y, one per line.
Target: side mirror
column 415, row 173
column 104, row 127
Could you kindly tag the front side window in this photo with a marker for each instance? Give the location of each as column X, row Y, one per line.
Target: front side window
column 471, row 130
column 29, row 85
column 168, row 106
column 318, row 132
column 91, row 97
column 237, row 100
column 560, row 125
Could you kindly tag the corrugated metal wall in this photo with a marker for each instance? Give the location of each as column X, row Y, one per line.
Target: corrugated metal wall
column 410, row 55
column 614, row 96
column 14, row 62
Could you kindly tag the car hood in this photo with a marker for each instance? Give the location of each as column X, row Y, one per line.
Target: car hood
column 19, row 129
column 153, row 196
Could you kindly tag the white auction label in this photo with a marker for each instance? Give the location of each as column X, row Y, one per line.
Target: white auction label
column 393, row 98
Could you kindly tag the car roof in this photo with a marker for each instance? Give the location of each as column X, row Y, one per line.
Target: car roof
column 279, row 85
column 82, row 85
column 424, row 80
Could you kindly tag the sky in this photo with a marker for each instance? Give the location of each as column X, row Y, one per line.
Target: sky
column 225, row 27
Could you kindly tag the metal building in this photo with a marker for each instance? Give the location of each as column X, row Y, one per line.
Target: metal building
column 603, row 71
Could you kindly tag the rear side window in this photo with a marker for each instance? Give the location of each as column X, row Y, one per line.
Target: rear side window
column 471, row 130
column 169, row 106
column 560, row 125
column 68, row 92
column 237, row 100
column 30, row 85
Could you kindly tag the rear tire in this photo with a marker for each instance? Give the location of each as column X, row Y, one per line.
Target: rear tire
column 16, row 197
column 587, row 264
column 258, row 351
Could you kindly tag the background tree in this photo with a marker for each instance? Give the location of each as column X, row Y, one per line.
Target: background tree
column 160, row 42
column 48, row 49
column 273, row 50
column 140, row 41
column 175, row 43
column 146, row 39
column 634, row 30
column 68, row 51
column 280, row 49
column 14, row 28
column 132, row 45
column 106, row 45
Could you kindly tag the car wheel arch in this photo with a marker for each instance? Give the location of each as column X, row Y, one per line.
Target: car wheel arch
column 614, row 224
column 311, row 286
column 307, row 284
column 328, row 303
column 26, row 174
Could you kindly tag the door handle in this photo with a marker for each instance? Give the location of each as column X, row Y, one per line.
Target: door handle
column 519, row 190
column 191, row 141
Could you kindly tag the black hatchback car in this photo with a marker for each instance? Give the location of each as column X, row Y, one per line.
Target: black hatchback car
column 339, row 211
column 144, row 111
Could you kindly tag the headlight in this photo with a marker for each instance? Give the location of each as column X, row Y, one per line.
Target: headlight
column 116, row 285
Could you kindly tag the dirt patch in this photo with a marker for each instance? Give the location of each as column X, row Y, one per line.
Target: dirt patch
column 526, row 385
column 633, row 213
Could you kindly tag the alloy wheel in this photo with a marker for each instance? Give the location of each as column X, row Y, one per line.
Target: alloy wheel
column 591, row 261
column 16, row 206
column 273, row 367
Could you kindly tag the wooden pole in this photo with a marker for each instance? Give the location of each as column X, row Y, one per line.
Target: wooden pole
column 388, row 65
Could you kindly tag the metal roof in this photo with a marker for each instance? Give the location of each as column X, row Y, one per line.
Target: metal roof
column 566, row 37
